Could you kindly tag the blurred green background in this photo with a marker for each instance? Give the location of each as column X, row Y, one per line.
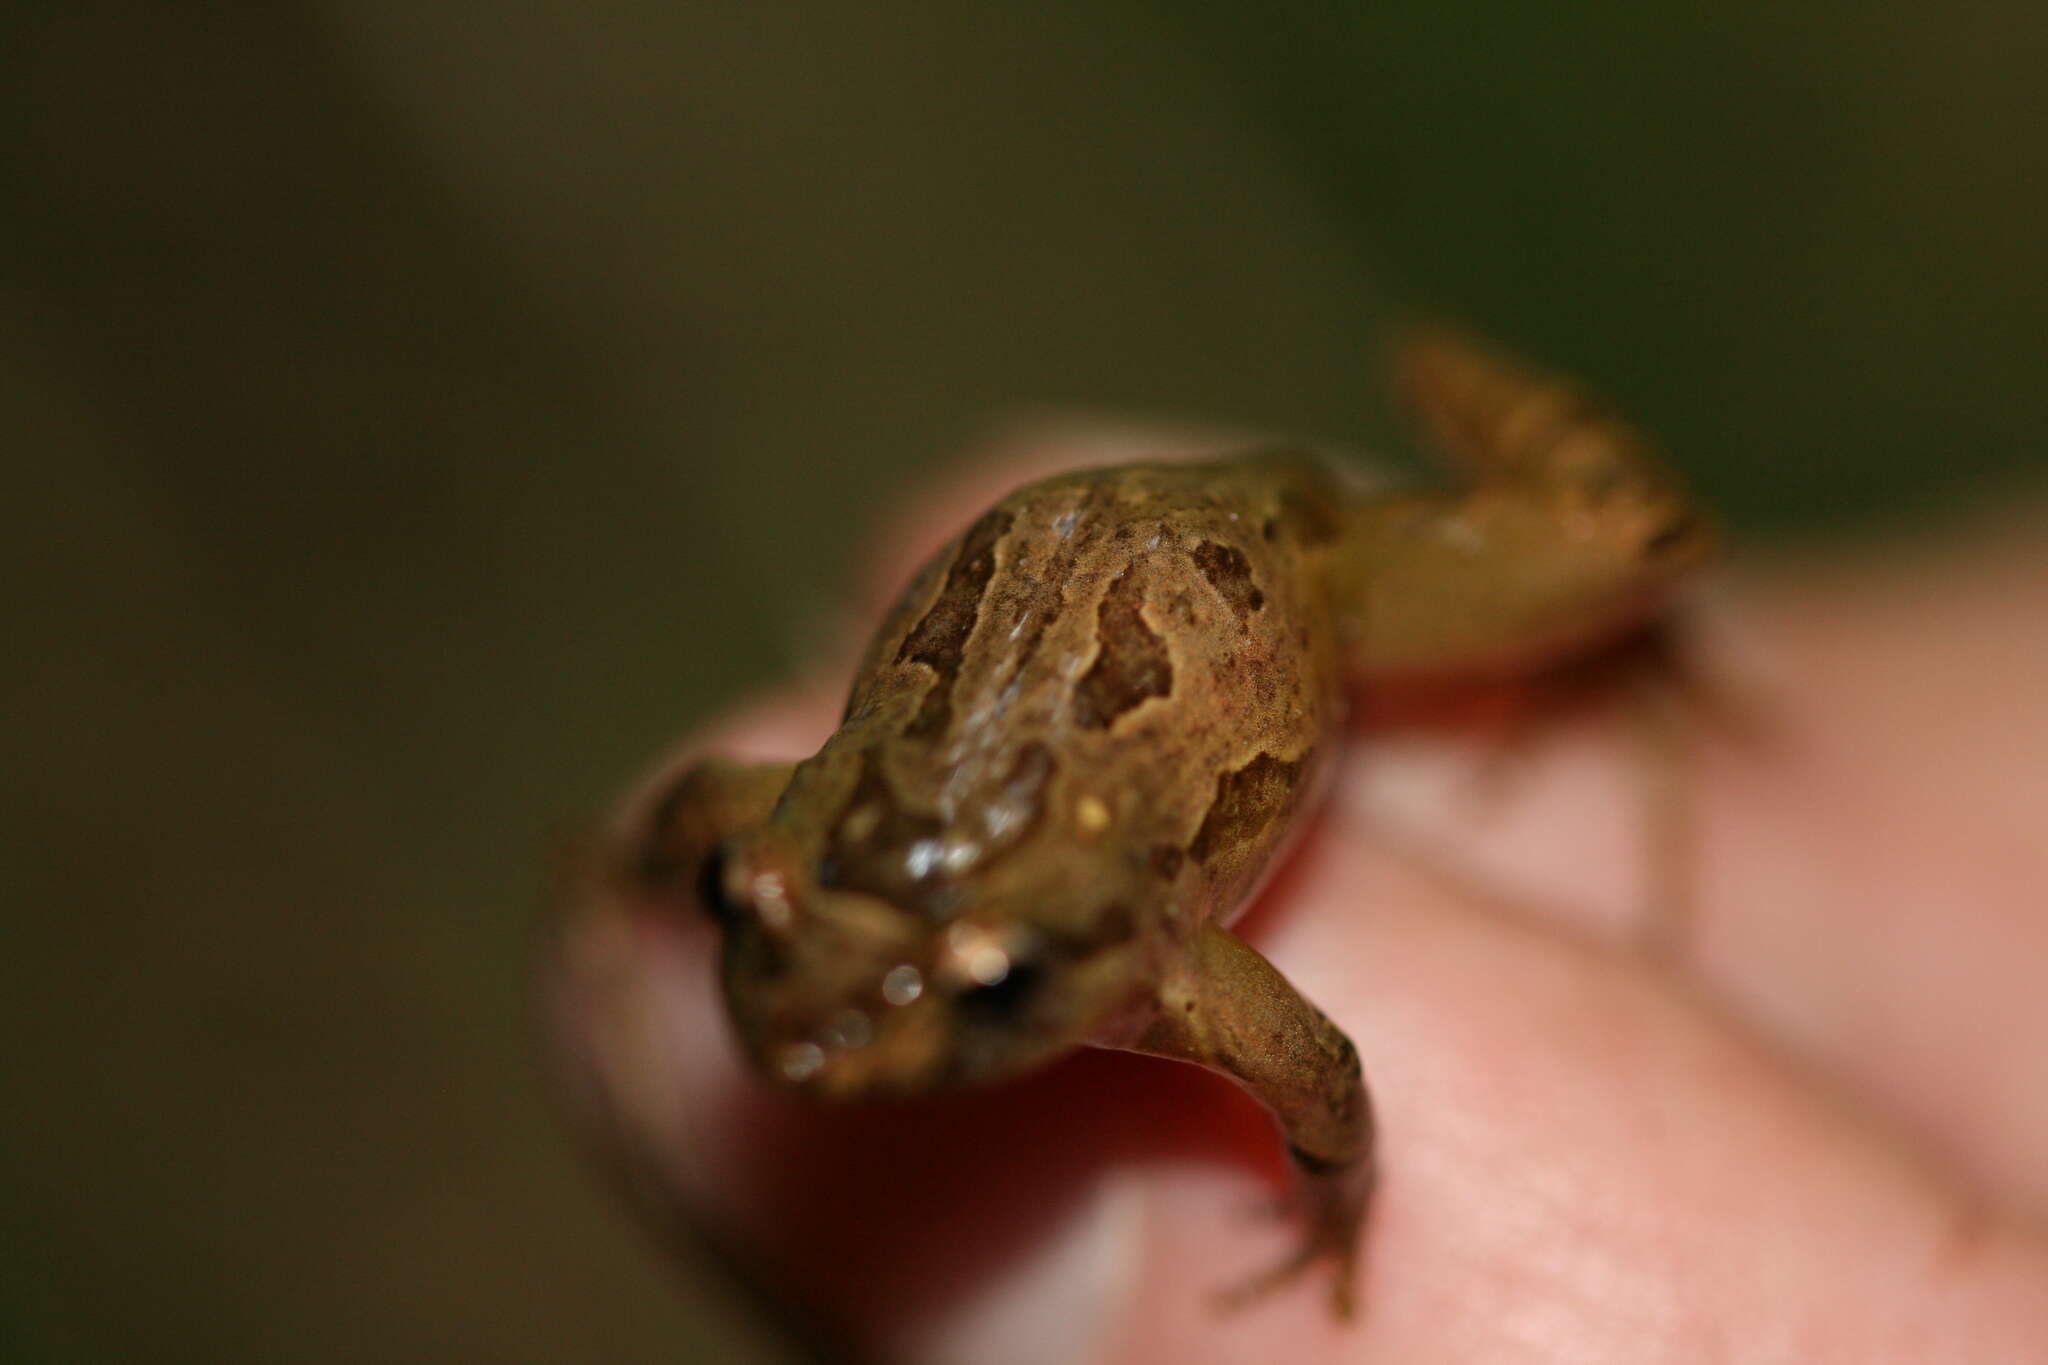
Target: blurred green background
column 416, row 415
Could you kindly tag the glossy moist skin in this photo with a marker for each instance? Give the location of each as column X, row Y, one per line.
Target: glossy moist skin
column 1084, row 731
column 1111, row 692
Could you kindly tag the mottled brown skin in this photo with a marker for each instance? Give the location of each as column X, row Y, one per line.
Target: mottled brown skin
column 1083, row 733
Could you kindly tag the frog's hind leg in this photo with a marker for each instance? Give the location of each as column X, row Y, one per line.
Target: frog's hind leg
column 1568, row 530
column 671, row 831
column 1568, row 539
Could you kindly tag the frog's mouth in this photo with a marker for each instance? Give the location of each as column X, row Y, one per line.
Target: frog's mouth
column 943, row 1042
column 855, row 1055
column 922, row 1048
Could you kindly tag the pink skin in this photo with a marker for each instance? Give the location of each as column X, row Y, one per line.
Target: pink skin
column 1818, row 1138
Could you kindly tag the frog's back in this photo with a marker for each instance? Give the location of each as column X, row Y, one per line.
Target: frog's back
column 1137, row 659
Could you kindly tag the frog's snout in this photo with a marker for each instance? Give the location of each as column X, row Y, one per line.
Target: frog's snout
column 857, row 1053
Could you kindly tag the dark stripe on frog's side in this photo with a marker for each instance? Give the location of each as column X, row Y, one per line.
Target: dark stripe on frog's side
column 1131, row 663
column 939, row 640
column 1231, row 575
column 1248, row 801
column 1042, row 588
column 1027, row 585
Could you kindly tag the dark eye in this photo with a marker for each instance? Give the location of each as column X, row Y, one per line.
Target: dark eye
column 1001, row 1001
column 711, row 893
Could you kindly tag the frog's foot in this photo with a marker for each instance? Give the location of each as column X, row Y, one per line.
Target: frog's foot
column 671, row 828
column 1333, row 1200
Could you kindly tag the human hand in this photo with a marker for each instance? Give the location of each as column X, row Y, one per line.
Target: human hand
column 1812, row 1135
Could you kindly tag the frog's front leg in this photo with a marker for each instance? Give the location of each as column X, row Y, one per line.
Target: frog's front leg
column 1226, row 1008
column 1569, row 531
column 672, row 833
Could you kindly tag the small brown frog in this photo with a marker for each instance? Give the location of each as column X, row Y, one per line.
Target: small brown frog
column 1086, row 729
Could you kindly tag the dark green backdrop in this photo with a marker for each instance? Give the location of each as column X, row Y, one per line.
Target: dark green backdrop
column 414, row 415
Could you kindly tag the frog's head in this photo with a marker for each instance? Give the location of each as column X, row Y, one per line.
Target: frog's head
column 845, row 993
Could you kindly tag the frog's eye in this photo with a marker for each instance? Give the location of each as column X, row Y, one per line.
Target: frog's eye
column 711, row 889
column 1001, row 1000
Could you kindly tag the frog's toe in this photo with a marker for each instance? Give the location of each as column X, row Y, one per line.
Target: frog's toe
column 1333, row 1199
column 1343, row 1261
